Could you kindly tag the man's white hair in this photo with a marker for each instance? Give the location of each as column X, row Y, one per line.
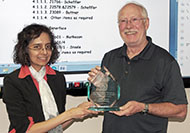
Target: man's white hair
column 143, row 12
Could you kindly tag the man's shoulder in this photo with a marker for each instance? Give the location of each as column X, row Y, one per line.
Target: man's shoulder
column 115, row 50
column 158, row 51
column 162, row 55
column 162, row 52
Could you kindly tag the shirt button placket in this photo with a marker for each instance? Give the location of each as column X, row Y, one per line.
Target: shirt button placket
column 128, row 63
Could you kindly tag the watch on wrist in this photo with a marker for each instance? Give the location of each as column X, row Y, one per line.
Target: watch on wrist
column 146, row 108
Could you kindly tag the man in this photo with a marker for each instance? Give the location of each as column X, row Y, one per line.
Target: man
column 151, row 84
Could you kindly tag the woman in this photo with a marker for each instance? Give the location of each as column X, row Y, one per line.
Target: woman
column 35, row 94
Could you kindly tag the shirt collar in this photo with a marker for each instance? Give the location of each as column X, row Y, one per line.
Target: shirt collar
column 24, row 71
column 146, row 53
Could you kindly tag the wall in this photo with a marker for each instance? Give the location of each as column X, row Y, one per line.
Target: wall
column 94, row 125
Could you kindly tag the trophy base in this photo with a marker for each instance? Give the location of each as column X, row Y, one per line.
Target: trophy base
column 103, row 108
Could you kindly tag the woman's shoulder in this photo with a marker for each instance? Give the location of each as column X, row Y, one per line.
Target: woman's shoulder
column 58, row 76
column 13, row 74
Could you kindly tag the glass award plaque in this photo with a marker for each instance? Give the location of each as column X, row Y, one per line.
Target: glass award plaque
column 104, row 92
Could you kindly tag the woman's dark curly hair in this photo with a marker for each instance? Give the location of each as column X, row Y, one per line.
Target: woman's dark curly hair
column 28, row 34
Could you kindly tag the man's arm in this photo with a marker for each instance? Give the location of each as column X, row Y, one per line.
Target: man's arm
column 166, row 109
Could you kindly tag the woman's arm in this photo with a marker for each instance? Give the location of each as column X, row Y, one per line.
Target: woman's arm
column 66, row 118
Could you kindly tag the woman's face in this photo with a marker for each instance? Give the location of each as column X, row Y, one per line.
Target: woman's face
column 40, row 51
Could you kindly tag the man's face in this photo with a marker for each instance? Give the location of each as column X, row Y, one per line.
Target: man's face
column 132, row 25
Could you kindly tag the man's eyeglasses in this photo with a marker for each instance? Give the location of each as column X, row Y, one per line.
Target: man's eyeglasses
column 134, row 21
column 39, row 48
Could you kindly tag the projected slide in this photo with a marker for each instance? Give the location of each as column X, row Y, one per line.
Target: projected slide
column 183, row 49
column 180, row 34
column 84, row 29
